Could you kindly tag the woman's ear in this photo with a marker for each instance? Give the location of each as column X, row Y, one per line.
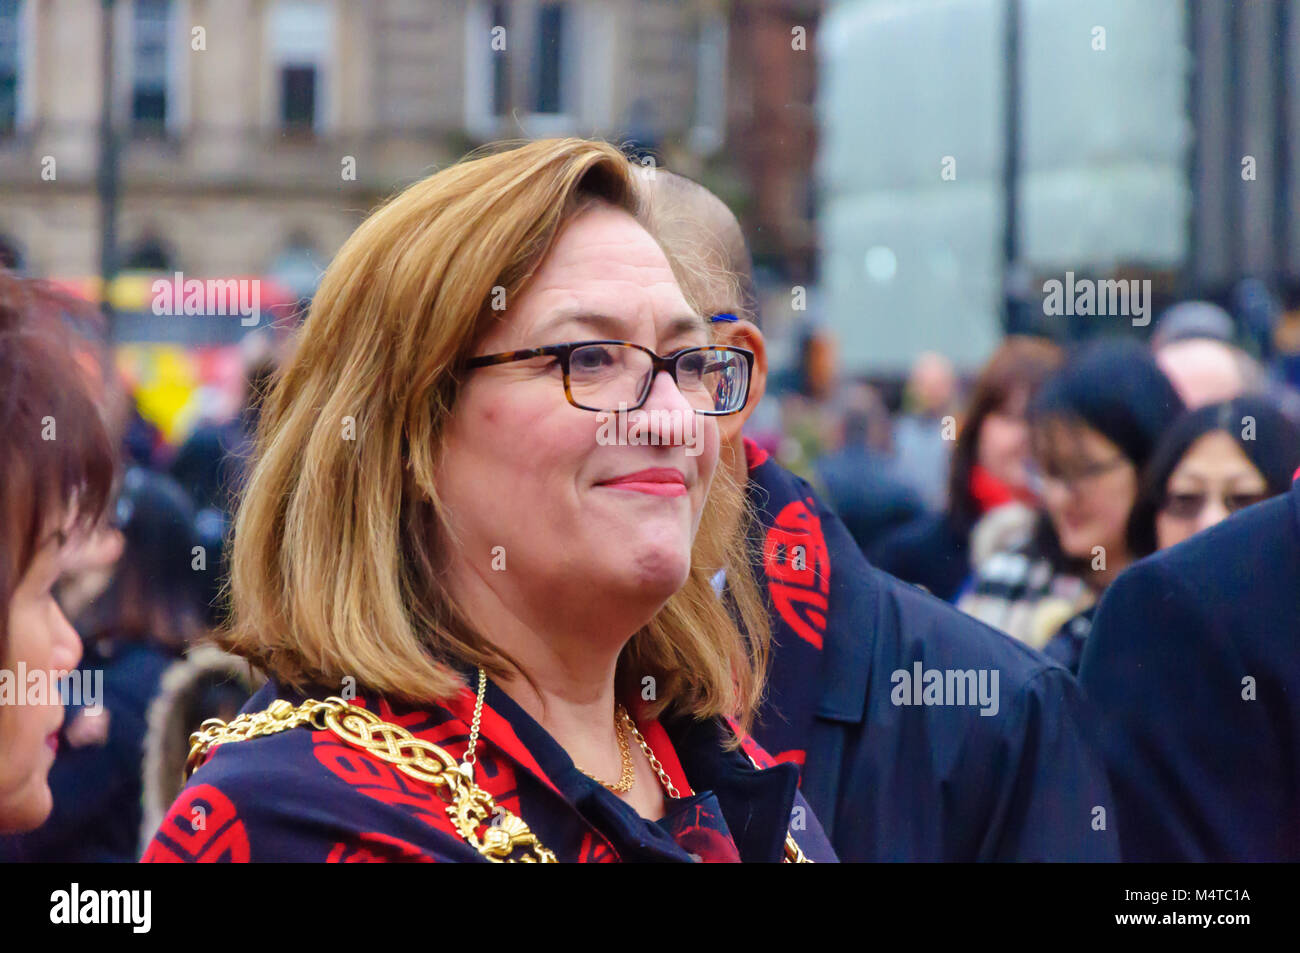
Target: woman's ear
column 747, row 335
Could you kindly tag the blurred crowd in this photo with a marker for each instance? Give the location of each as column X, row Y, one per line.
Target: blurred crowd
column 1018, row 496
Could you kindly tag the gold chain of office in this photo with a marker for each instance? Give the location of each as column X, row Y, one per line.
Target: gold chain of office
column 496, row 833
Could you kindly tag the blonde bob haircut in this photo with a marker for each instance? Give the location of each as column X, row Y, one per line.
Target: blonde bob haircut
column 341, row 540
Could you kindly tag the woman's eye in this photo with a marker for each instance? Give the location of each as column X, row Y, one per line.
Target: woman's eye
column 1184, row 505
column 591, row 359
column 1239, row 501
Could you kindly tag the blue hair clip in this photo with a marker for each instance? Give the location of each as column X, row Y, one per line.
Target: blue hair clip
column 723, row 317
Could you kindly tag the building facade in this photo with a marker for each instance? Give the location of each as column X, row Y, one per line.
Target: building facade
column 255, row 134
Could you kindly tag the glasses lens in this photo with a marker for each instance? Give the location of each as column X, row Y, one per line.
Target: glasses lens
column 603, row 376
column 1239, row 501
column 713, row 379
column 1184, row 506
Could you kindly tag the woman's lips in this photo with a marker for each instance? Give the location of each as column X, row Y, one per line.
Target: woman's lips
column 660, row 481
column 52, row 739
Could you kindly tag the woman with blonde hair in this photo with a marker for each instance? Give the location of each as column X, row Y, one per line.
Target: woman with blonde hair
column 475, row 549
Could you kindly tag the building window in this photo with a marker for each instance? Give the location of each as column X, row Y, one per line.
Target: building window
column 500, row 63
column 542, row 80
column 548, row 59
column 298, row 97
column 151, row 27
column 302, row 46
column 9, row 65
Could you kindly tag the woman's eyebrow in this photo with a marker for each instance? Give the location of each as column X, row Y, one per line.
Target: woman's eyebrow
column 688, row 324
column 617, row 327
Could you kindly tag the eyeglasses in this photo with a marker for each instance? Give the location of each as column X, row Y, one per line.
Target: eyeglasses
column 616, row 376
column 1074, row 478
column 1189, row 506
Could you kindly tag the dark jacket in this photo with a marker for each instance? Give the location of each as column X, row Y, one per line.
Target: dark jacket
column 931, row 551
column 1067, row 645
column 308, row 795
column 891, row 779
column 866, row 495
column 1194, row 665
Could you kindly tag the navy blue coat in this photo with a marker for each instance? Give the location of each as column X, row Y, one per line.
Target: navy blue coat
column 916, row 782
column 1182, row 640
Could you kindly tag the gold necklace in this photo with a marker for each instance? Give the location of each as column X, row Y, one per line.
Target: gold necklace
column 622, row 721
column 628, row 777
column 669, row 788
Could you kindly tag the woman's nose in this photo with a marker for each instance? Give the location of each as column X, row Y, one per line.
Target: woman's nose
column 1211, row 513
column 673, row 419
column 67, row 648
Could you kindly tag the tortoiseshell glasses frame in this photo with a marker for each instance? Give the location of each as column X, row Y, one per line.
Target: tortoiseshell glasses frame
column 735, row 396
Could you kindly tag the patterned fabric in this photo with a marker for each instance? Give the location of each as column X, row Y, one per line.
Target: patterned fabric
column 305, row 795
column 1021, row 594
column 796, row 569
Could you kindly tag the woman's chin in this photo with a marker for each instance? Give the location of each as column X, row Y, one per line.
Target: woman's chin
column 651, row 572
column 30, row 811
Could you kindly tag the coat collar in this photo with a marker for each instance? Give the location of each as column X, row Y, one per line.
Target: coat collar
column 854, row 600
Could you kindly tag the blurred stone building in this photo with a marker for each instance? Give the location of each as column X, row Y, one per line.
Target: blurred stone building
column 255, row 134
column 772, row 130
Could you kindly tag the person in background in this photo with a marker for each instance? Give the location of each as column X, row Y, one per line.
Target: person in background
column 1193, row 672
column 1093, row 428
column 51, row 491
column 140, row 442
column 210, row 467
column 806, row 393
column 1192, row 321
column 859, row 476
column 920, row 448
column 889, row 781
column 989, row 468
column 143, row 621
column 206, row 683
column 1211, row 463
column 1206, row 371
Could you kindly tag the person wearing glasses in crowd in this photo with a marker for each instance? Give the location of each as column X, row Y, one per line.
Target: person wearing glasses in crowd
column 889, row 780
column 1093, row 427
column 56, row 478
column 490, row 628
column 1212, row 462
column 1192, row 663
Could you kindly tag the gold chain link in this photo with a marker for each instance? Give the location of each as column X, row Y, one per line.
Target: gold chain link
column 628, row 776
column 666, row 781
column 489, row 828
